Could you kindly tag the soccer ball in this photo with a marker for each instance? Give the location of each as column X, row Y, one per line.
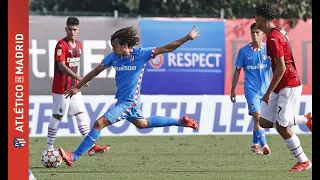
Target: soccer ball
column 51, row 158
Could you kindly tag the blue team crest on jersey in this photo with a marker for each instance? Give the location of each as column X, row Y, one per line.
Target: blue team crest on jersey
column 264, row 57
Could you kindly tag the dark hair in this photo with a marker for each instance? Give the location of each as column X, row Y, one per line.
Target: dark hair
column 72, row 21
column 253, row 26
column 266, row 10
column 127, row 35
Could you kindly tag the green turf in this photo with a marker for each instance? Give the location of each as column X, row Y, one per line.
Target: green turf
column 174, row 158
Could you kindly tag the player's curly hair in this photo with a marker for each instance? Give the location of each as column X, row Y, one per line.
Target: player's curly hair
column 268, row 11
column 127, row 35
column 72, row 21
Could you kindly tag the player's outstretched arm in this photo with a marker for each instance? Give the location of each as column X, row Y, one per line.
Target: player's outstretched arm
column 194, row 33
column 91, row 75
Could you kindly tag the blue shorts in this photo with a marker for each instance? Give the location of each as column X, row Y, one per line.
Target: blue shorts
column 124, row 110
column 254, row 101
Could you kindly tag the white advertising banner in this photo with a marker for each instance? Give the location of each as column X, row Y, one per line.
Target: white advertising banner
column 215, row 114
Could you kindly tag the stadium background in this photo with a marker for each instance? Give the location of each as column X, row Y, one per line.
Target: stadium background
column 172, row 86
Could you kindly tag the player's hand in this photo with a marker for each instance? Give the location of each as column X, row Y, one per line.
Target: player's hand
column 233, row 97
column 266, row 98
column 72, row 91
column 194, row 33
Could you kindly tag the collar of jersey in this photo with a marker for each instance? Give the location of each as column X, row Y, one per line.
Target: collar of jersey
column 130, row 53
column 256, row 49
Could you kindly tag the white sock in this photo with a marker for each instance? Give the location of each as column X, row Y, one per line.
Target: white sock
column 52, row 132
column 301, row 119
column 295, row 147
column 82, row 124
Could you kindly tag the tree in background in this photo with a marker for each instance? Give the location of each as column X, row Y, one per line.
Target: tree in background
column 295, row 9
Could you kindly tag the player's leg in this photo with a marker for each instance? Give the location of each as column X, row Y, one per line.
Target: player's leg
column 258, row 134
column 288, row 98
column 255, row 148
column 267, row 117
column 134, row 115
column 87, row 143
column 268, row 122
column 261, row 135
column 162, row 121
column 77, row 109
column 113, row 115
column 298, row 119
column 302, row 119
column 60, row 106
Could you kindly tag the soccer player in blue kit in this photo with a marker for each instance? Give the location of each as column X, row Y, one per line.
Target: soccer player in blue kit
column 129, row 63
column 253, row 59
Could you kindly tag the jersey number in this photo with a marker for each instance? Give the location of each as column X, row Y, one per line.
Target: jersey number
column 280, row 108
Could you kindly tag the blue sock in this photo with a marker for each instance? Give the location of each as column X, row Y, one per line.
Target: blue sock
column 161, row 121
column 254, row 137
column 87, row 143
column 261, row 137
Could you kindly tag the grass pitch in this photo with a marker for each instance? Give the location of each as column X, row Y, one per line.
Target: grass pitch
column 215, row 157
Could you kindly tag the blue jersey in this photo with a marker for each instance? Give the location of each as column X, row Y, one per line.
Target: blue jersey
column 256, row 65
column 129, row 72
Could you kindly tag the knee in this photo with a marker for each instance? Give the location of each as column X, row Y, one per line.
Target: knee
column 57, row 116
column 281, row 129
column 265, row 123
column 285, row 132
column 101, row 123
column 255, row 116
column 141, row 123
